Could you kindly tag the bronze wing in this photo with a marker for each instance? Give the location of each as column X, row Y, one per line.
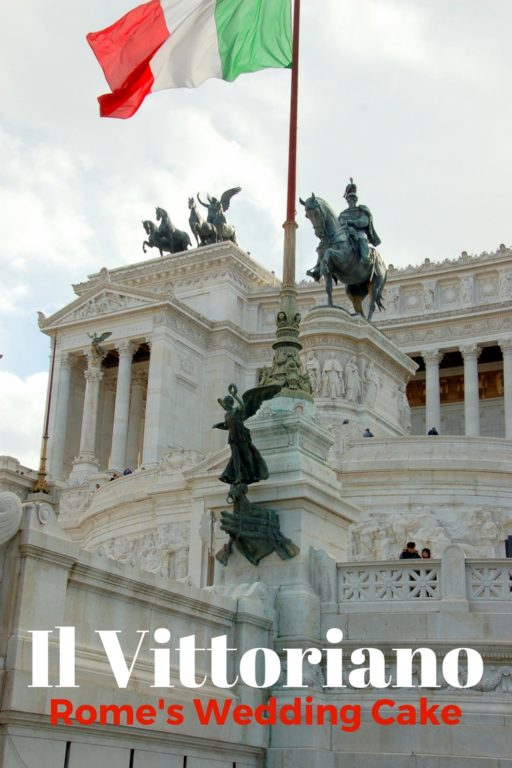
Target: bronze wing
column 226, row 196
column 254, row 397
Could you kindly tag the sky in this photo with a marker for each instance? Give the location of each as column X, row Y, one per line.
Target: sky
column 412, row 99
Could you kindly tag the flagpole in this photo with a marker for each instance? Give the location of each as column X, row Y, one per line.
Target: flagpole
column 41, row 485
column 287, row 366
column 290, row 224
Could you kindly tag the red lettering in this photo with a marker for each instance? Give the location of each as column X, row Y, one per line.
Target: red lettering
column 212, row 709
column 376, row 711
column 406, row 715
column 116, row 713
column 266, row 714
column 243, row 714
column 451, row 714
column 145, row 714
column 175, row 714
column 60, row 709
column 427, row 714
column 85, row 714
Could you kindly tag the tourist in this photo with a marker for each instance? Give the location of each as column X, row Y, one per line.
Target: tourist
column 410, row 552
column 425, row 553
column 432, row 431
column 367, row 432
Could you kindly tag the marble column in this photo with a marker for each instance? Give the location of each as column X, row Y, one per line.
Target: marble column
column 506, row 348
column 432, row 358
column 157, row 424
column 106, row 415
column 470, row 353
column 60, row 426
column 93, row 376
column 133, row 449
column 122, row 406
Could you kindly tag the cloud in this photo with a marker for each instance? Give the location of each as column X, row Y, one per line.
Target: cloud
column 22, row 404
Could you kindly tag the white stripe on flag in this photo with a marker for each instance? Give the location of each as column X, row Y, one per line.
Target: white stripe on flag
column 191, row 53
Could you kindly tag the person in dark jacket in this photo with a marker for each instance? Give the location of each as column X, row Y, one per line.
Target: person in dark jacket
column 410, row 552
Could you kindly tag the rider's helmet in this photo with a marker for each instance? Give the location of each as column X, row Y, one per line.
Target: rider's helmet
column 351, row 190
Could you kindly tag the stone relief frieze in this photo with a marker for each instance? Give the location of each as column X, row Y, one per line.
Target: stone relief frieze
column 382, row 536
column 74, row 501
column 187, row 330
column 179, row 459
column 163, row 551
column 106, row 303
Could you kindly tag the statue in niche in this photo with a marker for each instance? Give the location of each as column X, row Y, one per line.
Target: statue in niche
column 216, row 210
column 352, row 381
column 332, row 379
column 97, row 350
column 404, row 410
column 346, row 251
column 466, row 290
column 371, row 383
column 313, row 368
column 428, row 296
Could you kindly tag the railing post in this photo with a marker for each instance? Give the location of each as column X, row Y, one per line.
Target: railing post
column 453, row 579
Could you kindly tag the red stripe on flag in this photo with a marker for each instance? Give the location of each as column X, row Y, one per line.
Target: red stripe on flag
column 125, row 47
column 125, row 101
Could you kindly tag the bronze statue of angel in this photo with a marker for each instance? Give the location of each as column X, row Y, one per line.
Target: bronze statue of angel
column 246, row 464
column 96, row 348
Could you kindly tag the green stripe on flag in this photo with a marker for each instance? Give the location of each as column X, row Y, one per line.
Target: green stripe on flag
column 253, row 34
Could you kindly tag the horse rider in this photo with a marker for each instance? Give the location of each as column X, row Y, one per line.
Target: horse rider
column 358, row 221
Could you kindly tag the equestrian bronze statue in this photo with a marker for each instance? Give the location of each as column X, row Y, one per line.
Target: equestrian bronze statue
column 346, row 252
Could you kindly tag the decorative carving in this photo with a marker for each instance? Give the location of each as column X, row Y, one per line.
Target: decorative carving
column 107, row 302
column 253, row 530
column 381, row 536
column 428, row 295
column 163, row 551
column 313, row 369
column 333, row 385
column 179, row 459
column 466, row 291
column 10, row 516
column 404, row 411
column 371, row 384
column 394, row 583
column 352, row 381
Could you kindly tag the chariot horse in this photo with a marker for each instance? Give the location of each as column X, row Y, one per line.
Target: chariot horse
column 339, row 259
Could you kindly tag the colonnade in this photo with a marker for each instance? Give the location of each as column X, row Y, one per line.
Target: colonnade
column 470, row 354
column 120, row 402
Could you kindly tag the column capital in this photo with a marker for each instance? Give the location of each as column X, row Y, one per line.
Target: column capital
column 470, row 351
column 505, row 345
column 93, row 374
column 432, row 356
column 127, row 348
column 67, row 361
column 140, row 378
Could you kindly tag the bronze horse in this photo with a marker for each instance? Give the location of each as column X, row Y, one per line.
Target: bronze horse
column 339, row 259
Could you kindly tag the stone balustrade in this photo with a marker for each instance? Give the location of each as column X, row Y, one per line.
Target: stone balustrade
column 431, row 582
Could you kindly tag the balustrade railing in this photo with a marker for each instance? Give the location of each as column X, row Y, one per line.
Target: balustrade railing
column 408, row 581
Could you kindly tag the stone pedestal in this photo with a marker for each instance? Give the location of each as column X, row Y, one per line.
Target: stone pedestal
column 306, row 494
column 357, row 372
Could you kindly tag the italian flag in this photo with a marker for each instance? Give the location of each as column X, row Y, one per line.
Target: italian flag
column 181, row 43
